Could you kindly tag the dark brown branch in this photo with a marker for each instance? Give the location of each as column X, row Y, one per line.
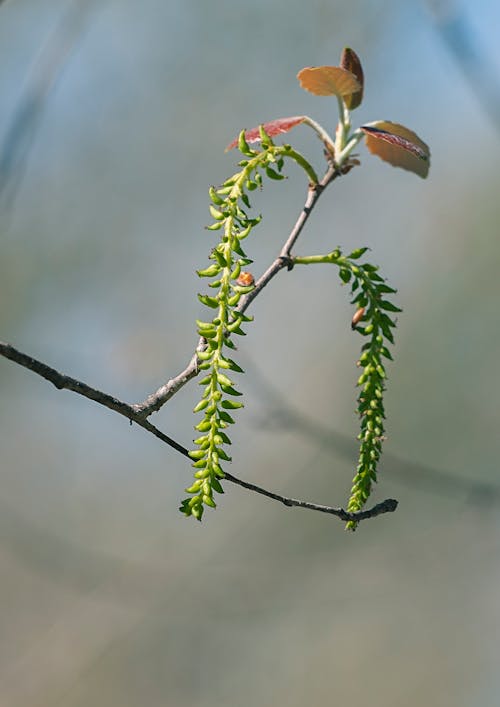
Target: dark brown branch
column 157, row 399
column 387, row 506
column 63, row 382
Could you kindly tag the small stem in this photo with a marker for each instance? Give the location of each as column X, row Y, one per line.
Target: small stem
column 288, row 151
column 354, row 139
column 321, row 133
column 332, row 257
column 342, row 129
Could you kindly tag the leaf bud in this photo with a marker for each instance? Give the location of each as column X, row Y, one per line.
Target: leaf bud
column 243, row 146
column 215, row 197
column 220, row 257
column 215, row 213
column 211, row 271
column 200, row 406
column 208, row 301
column 202, row 474
column 206, row 487
column 245, row 279
column 197, row 453
column 236, row 272
column 223, row 379
column 203, row 426
column 358, row 316
column 235, row 323
column 243, row 290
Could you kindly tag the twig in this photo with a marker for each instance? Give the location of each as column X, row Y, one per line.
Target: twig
column 387, row 506
column 157, row 399
column 64, row 382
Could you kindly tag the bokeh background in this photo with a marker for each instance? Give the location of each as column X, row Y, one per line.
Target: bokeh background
column 114, row 119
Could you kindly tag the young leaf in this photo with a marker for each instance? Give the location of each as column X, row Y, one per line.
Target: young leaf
column 389, row 306
column 274, row 175
column 397, row 145
column 226, row 417
column 350, row 61
column 328, row 81
column 272, row 128
column 356, row 254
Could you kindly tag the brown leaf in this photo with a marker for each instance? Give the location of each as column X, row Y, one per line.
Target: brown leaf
column 328, row 81
column 351, row 62
column 398, row 145
column 272, row 128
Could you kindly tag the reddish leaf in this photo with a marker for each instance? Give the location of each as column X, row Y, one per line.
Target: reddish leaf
column 328, row 81
column 397, row 145
column 350, row 61
column 273, row 128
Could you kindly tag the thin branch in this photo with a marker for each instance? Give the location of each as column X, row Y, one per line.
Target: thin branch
column 157, row 399
column 284, row 259
column 64, row 382
column 387, row 506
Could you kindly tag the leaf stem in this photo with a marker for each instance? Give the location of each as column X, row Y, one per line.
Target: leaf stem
column 351, row 143
column 288, row 151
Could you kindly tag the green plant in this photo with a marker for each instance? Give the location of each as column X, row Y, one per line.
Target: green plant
column 233, row 287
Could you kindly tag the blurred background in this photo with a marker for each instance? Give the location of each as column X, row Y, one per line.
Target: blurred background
column 114, row 119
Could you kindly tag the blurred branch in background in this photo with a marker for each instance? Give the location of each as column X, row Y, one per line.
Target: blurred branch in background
column 62, row 561
column 279, row 415
column 469, row 54
column 47, row 68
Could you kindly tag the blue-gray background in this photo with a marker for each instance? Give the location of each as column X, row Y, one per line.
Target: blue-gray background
column 108, row 596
